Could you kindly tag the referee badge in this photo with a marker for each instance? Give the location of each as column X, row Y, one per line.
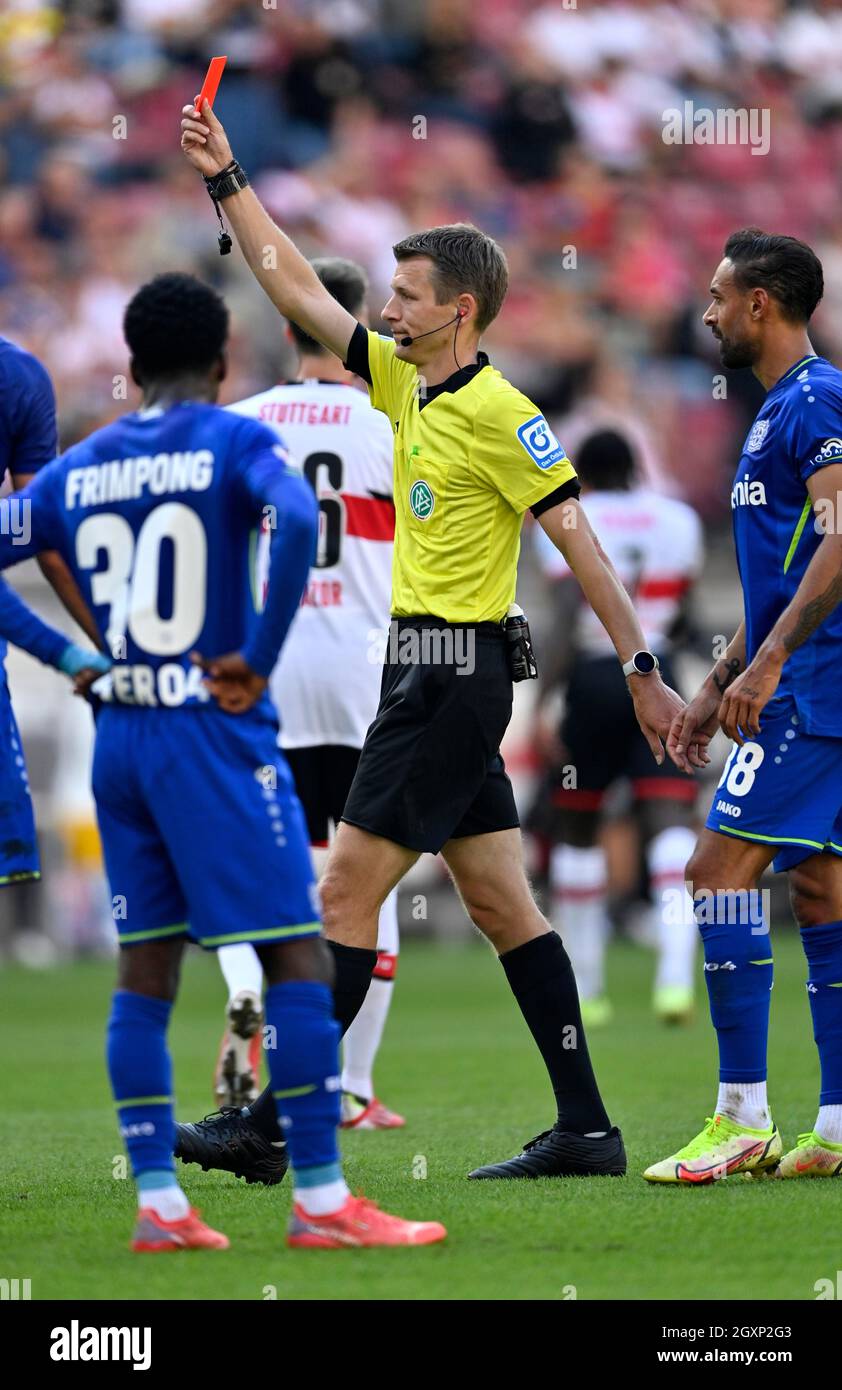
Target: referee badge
column 421, row 500
column 540, row 443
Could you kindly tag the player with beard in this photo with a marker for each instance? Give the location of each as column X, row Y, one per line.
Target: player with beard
column 775, row 692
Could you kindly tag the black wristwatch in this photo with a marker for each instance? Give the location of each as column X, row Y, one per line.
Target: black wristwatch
column 229, row 180
column 641, row 664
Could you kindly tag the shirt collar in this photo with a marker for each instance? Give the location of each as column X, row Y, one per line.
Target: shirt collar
column 456, row 379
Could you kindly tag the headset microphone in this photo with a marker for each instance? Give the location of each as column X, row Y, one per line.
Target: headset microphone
column 407, row 342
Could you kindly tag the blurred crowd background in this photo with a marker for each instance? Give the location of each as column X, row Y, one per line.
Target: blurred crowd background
column 358, row 121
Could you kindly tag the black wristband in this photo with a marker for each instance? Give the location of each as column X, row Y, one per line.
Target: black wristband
column 229, row 180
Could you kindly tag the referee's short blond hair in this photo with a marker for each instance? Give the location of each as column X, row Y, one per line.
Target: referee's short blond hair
column 464, row 260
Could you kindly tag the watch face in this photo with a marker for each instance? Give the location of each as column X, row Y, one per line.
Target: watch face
column 644, row 662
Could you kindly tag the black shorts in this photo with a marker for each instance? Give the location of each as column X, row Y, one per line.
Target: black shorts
column 604, row 741
column 430, row 769
column 323, row 774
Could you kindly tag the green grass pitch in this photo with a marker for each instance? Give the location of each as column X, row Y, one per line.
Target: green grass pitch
column 458, row 1061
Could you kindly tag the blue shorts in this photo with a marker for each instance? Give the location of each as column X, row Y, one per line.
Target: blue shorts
column 18, row 846
column 784, row 787
column 202, row 832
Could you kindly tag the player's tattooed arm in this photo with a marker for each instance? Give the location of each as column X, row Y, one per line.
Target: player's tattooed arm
column 813, row 614
column 820, row 589
column 728, row 666
column 694, row 727
column 729, row 672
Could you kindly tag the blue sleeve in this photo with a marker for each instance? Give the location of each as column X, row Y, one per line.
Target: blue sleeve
column 18, row 624
column 282, row 494
column 29, row 439
column 817, row 431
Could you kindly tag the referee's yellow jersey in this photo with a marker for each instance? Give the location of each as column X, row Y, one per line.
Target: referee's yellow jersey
column 470, row 458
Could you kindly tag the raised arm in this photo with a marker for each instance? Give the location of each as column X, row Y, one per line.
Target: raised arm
column 286, row 276
column 569, row 529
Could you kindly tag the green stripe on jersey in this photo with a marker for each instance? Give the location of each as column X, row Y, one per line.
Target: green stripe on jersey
column 275, row 933
column 178, row 930
column 768, row 839
column 796, row 535
column 811, row 357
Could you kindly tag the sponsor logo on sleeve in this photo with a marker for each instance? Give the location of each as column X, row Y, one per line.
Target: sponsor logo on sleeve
column 540, row 443
column 831, row 449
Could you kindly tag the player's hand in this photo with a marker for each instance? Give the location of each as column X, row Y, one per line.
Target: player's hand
column 83, row 681
column 203, row 139
column 656, row 706
column 692, row 730
column 231, row 681
column 744, row 700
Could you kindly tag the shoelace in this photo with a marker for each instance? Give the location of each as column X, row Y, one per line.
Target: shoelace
column 697, row 1145
column 225, row 1127
column 539, row 1138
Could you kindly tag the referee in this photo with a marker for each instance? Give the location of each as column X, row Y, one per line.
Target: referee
column 472, row 455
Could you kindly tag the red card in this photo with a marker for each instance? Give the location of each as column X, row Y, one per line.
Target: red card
column 211, row 82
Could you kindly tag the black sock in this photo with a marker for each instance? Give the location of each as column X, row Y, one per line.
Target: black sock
column 543, row 983
column 354, row 965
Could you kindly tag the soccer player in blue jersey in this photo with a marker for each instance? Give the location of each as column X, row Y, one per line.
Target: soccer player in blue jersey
column 775, row 692
column 156, row 516
column 28, row 441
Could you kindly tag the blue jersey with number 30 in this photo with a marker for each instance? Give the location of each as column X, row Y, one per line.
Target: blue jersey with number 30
column 797, row 431
column 157, row 517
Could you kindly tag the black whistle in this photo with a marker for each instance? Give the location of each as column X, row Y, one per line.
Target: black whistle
column 225, row 244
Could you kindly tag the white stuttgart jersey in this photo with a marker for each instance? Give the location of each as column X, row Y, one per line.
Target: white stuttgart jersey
column 655, row 545
column 326, row 685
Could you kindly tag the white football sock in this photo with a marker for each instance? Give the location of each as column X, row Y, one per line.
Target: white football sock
column 677, row 933
column 169, row 1202
column 829, row 1123
column 321, row 1200
column 362, row 1039
column 577, row 881
column 745, row 1103
column 242, row 969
